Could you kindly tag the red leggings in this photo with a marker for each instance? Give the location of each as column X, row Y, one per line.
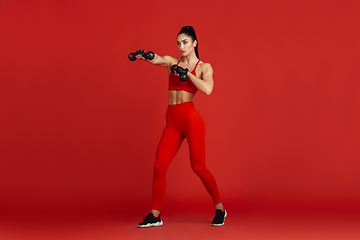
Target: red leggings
column 182, row 121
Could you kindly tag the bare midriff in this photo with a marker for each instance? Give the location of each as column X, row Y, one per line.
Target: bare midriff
column 177, row 97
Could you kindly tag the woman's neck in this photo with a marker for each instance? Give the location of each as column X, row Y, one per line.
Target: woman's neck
column 190, row 59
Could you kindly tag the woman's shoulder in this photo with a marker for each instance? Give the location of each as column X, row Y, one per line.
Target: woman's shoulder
column 204, row 65
column 171, row 59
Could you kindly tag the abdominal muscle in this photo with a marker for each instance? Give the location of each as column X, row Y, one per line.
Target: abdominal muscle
column 177, row 97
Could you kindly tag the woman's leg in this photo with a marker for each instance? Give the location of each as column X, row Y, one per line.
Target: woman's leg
column 169, row 144
column 196, row 140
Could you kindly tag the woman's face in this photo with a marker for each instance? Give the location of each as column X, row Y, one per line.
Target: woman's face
column 185, row 44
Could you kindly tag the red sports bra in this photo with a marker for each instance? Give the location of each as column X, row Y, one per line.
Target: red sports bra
column 187, row 86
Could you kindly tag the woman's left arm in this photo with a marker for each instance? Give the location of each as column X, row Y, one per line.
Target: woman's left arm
column 206, row 83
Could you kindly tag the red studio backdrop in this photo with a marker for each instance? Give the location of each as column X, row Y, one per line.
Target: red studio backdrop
column 80, row 123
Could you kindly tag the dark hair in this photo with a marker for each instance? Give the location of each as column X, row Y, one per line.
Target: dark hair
column 190, row 31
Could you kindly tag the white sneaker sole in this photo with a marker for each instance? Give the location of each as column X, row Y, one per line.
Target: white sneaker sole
column 218, row 225
column 158, row 224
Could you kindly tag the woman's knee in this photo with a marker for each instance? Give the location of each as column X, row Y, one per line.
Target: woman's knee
column 159, row 169
column 199, row 169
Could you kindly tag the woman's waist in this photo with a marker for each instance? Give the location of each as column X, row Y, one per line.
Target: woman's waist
column 178, row 97
column 182, row 108
column 183, row 113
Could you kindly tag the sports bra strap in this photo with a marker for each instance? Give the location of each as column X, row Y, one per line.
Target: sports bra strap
column 196, row 64
column 179, row 61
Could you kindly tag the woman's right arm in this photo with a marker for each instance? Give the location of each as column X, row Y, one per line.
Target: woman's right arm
column 162, row 61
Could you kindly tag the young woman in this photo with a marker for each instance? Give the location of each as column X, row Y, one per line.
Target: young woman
column 183, row 121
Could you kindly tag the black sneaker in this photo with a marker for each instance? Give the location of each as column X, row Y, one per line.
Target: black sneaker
column 219, row 218
column 151, row 221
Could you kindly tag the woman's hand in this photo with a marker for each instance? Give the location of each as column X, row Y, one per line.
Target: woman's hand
column 141, row 54
column 205, row 84
column 139, row 57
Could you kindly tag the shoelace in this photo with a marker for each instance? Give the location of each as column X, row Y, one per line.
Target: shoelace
column 146, row 217
column 219, row 215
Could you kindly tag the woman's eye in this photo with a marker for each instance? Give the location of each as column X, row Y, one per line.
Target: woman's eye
column 185, row 42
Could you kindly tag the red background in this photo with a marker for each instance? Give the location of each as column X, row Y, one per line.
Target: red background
column 80, row 123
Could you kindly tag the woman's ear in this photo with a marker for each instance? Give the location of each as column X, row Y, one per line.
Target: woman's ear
column 195, row 43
